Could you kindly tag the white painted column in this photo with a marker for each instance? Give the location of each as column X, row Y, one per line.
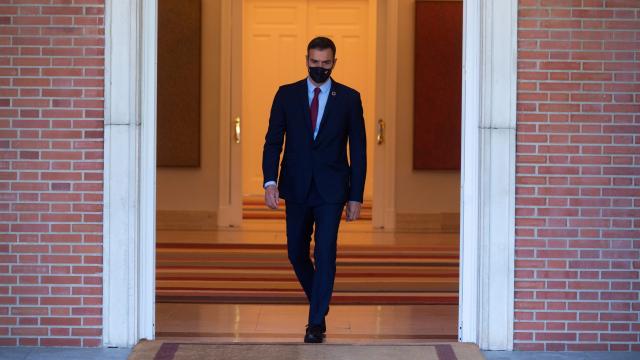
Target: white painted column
column 129, row 128
column 488, row 175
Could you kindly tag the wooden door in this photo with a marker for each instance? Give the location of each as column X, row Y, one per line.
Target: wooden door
column 275, row 37
column 347, row 24
column 273, row 49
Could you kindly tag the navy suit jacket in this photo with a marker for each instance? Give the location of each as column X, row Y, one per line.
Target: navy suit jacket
column 324, row 159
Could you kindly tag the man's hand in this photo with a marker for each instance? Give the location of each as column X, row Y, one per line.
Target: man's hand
column 353, row 210
column 271, row 196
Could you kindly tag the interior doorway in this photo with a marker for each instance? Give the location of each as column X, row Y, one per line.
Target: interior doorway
column 274, row 39
column 269, row 39
column 244, row 268
column 487, row 240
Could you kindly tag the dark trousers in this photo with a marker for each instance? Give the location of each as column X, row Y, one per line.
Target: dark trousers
column 317, row 282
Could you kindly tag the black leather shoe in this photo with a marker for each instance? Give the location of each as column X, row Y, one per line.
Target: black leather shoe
column 314, row 334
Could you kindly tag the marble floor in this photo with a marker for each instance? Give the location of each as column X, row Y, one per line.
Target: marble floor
column 286, row 323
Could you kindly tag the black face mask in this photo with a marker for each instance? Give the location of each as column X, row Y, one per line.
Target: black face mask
column 319, row 74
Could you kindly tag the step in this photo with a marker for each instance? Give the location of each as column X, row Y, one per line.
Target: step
column 297, row 297
column 261, row 273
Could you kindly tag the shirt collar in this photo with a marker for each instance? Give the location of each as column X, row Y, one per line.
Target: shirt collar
column 324, row 87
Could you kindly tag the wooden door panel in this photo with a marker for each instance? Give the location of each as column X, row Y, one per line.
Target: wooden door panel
column 274, row 44
column 178, row 125
column 347, row 24
column 438, row 85
column 275, row 40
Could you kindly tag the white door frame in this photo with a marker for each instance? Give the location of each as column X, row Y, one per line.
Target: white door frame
column 229, row 153
column 384, row 170
column 129, row 171
column 487, row 201
column 487, row 179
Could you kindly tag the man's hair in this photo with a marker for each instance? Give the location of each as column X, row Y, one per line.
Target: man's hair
column 322, row 43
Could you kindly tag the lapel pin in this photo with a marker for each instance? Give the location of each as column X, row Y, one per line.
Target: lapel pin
column 333, row 93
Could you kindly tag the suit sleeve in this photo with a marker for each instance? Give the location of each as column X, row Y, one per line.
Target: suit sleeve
column 357, row 151
column 273, row 140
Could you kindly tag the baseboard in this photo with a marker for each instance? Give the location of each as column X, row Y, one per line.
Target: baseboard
column 437, row 222
column 186, row 220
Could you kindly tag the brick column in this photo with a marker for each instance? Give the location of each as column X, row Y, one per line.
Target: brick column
column 51, row 151
column 578, row 175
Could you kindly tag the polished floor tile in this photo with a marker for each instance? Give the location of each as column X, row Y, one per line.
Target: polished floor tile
column 345, row 323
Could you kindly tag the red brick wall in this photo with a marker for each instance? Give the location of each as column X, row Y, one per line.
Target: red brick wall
column 578, row 175
column 51, row 141
column 578, row 192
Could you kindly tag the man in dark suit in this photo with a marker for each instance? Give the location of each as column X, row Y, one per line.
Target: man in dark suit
column 318, row 116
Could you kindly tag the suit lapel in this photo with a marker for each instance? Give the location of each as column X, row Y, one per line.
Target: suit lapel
column 328, row 107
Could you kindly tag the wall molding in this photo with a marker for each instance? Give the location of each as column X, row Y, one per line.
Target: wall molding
column 186, row 220
column 435, row 222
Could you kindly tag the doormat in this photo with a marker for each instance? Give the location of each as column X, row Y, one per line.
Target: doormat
column 167, row 350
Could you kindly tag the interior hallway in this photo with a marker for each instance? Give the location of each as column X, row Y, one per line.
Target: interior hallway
column 237, row 285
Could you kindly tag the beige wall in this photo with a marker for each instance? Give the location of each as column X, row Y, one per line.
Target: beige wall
column 416, row 191
column 196, row 189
